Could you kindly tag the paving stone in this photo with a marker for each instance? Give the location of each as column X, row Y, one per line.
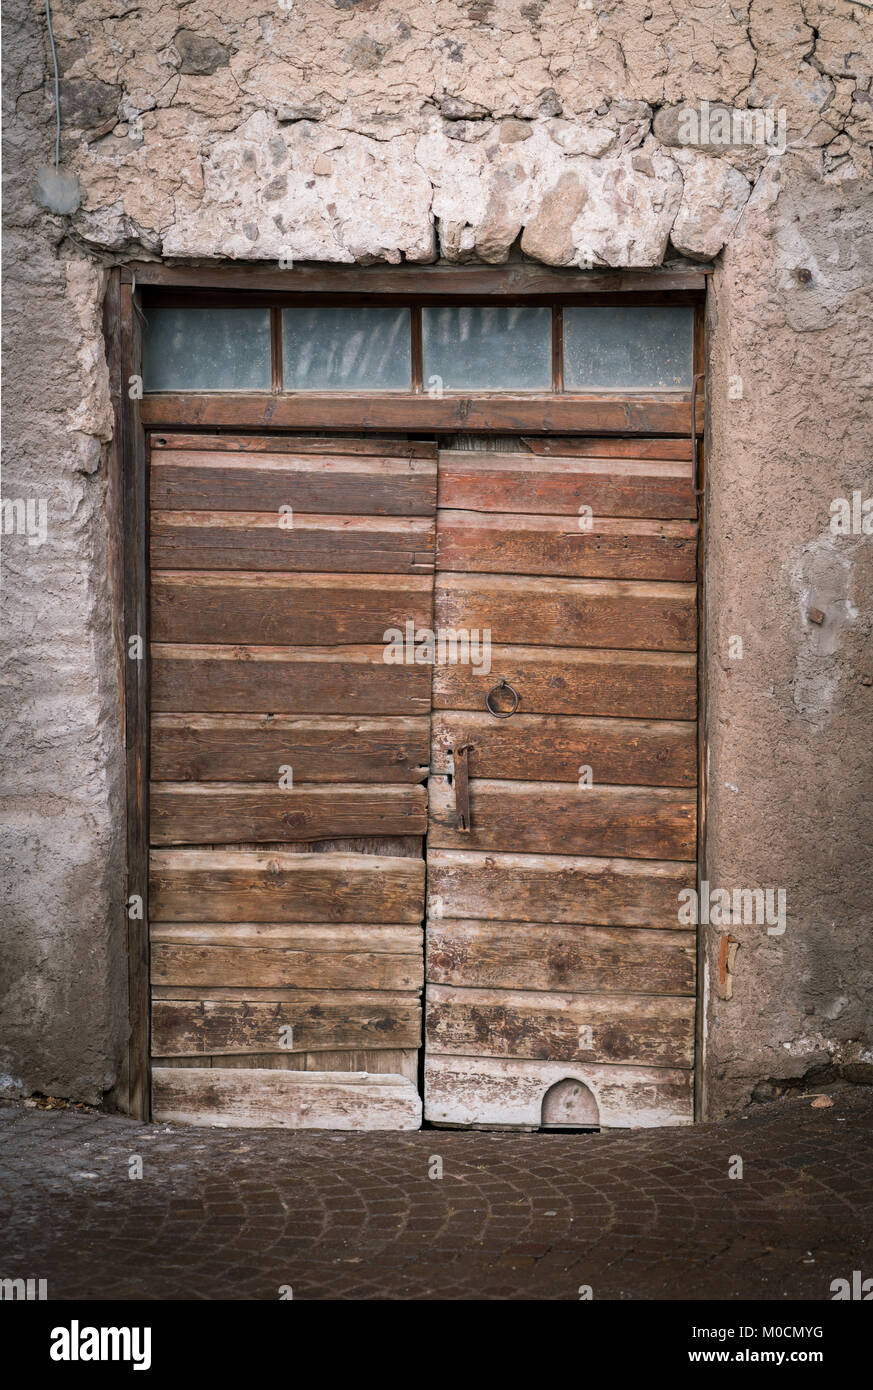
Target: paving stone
column 638, row 1215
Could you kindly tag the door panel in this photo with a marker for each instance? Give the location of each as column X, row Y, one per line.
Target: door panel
column 561, row 1027
column 552, row 748
column 285, row 680
column 286, row 915
column 265, row 1098
column 185, row 813
column 515, row 482
column 389, row 478
column 249, row 748
column 564, row 680
column 308, row 610
column 287, row 879
column 559, row 983
column 614, row 548
column 233, row 885
column 554, row 818
column 570, row 612
column 461, row 1091
column 555, row 888
column 538, row 955
column 213, row 540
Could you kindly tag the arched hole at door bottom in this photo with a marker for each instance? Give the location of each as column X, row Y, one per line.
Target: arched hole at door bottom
column 570, row 1105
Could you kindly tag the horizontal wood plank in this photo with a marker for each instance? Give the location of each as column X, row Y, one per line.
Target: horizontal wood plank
column 571, row 960
column 519, row 483
column 554, row 1027
column 353, row 966
column 417, row 281
column 189, row 813
column 216, row 540
column 265, row 1099
column 310, row 610
column 558, row 818
column 553, row 748
column 344, row 445
column 393, row 938
column 577, row 446
column 493, row 1092
column 285, row 680
column 251, row 748
column 556, row 888
column 401, row 1061
column 195, row 885
column 570, row 612
column 368, row 411
column 554, row 680
column 612, row 548
column 257, row 481
column 274, row 1061
column 313, row 1019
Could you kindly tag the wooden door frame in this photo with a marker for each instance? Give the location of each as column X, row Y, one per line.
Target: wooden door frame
column 135, row 415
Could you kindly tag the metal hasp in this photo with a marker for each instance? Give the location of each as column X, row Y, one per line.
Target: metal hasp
column 461, row 783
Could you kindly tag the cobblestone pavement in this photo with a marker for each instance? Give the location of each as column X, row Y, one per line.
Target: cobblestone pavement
column 239, row 1213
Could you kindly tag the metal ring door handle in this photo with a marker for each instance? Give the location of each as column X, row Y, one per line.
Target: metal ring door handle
column 497, row 713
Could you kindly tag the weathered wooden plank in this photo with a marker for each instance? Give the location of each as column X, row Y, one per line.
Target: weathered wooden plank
column 343, row 445
column 570, row 612
column 242, row 994
column 558, row 818
column 556, row 888
column 392, row 938
column 196, row 885
column 312, row 1019
column 215, row 540
column 257, row 481
column 400, row 1061
column 491, row 1091
column 557, row 748
column 577, row 446
column 276, row 1061
column 569, row 959
column 125, row 352
column 296, row 609
column 486, row 482
column 613, row 547
column 196, row 813
column 252, row 748
column 264, row 1099
column 297, row 680
column 277, row 964
column 554, row 680
column 371, row 412
column 556, row 1027
column 418, row 281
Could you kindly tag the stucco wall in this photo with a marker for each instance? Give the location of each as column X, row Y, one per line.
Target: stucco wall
column 375, row 131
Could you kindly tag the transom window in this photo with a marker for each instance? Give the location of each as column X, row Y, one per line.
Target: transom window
column 435, row 349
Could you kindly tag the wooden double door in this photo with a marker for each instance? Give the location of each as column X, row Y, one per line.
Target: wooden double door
column 341, row 629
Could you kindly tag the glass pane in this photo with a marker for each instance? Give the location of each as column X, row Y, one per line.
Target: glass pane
column 616, row 347
column 346, row 349
column 487, row 349
column 207, row 350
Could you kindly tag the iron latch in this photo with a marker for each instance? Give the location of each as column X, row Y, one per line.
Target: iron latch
column 461, row 783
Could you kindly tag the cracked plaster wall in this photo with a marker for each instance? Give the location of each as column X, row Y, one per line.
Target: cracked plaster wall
column 367, row 131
